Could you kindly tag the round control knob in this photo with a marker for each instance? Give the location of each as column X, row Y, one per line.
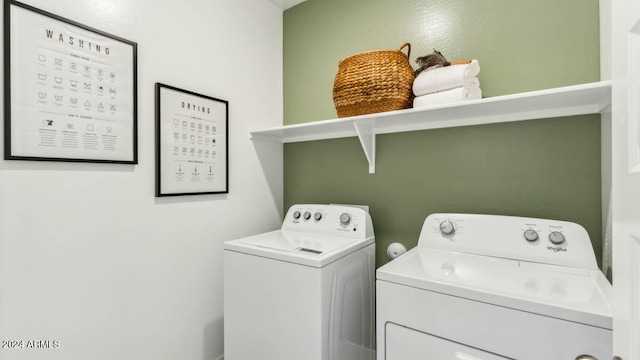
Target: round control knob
column 317, row 216
column 556, row 237
column 531, row 235
column 296, row 215
column 345, row 219
column 446, row 227
column 307, row 215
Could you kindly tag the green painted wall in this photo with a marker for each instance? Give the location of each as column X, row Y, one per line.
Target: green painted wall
column 544, row 168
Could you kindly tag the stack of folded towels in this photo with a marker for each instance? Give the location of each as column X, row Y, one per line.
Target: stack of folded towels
column 447, row 84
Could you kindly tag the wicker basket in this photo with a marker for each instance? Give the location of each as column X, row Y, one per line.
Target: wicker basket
column 374, row 81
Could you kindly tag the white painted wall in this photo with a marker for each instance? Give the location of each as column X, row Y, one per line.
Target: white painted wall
column 88, row 256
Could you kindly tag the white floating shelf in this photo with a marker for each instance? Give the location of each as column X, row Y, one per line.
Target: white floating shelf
column 581, row 99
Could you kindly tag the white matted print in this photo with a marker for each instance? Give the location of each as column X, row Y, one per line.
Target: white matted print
column 71, row 90
column 192, row 151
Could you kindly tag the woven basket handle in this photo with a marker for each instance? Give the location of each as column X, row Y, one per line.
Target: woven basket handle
column 408, row 50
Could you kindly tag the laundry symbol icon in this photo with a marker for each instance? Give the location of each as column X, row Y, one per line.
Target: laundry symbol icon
column 58, row 62
column 87, row 103
column 109, row 129
column 42, row 95
column 112, row 75
column 87, row 86
column 70, row 126
column 112, row 91
column 100, row 88
column 90, row 127
column 42, row 58
column 58, row 80
column 74, row 83
column 47, row 122
column 59, row 98
column 73, row 101
column 73, row 66
column 42, row 77
column 112, row 107
column 87, row 69
column 100, row 72
column 100, row 106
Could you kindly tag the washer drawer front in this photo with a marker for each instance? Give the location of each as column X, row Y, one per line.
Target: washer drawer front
column 511, row 333
column 408, row 344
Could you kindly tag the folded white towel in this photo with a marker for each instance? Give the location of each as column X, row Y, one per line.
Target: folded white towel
column 445, row 78
column 448, row 96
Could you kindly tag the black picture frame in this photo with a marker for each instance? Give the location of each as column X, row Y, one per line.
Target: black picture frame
column 192, row 143
column 51, row 56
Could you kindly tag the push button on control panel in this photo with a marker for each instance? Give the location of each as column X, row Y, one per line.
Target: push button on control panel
column 317, row 216
column 307, row 215
column 296, row 215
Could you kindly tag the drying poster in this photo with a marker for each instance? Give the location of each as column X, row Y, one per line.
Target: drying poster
column 72, row 90
column 192, row 143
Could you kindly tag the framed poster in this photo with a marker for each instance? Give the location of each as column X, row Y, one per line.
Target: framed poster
column 192, row 143
column 70, row 90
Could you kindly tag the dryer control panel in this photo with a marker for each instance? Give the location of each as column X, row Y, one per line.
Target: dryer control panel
column 334, row 220
column 518, row 238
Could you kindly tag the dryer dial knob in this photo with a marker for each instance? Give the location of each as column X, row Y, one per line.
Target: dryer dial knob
column 556, row 237
column 531, row 235
column 446, row 227
column 296, row 215
column 317, row 216
column 307, row 215
column 345, row 219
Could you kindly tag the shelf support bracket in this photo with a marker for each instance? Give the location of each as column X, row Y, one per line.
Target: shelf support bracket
column 368, row 141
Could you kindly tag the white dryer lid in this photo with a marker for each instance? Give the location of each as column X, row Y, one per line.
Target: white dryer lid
column 572, row 294
column 311, row 249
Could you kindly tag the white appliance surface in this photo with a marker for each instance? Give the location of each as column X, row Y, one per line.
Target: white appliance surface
column 305, row 291
column 312, row 235
column 471, row 272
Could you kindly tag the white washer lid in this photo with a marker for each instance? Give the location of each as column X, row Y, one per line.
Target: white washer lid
column 577, row 295
column 316, row 250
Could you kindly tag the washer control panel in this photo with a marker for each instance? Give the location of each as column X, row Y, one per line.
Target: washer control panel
column 519, row 238
column 335, row 220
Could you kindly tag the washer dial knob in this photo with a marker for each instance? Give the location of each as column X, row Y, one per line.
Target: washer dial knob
column 345, row 219
column 317, row 216
column 556, row 237
column 307, row 215
column 296, row 215
column 531, row 235
column 446, row 227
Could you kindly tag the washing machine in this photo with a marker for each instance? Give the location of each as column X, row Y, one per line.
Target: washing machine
column 305, row 291
column 486, row 287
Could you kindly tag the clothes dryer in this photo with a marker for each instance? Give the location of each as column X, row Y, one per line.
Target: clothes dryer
column 305, row 291
column 484, row 287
